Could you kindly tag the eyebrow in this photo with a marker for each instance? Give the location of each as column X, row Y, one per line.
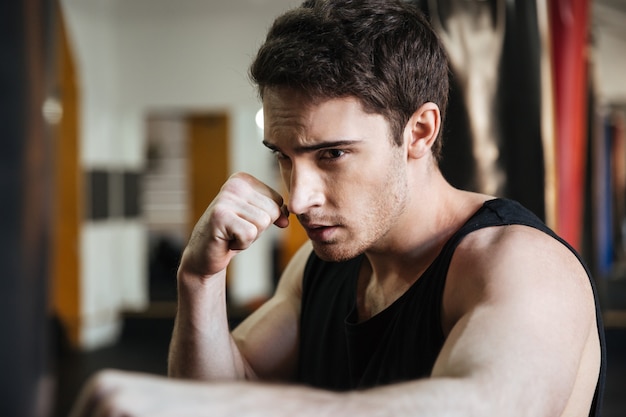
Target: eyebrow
column 314, row 147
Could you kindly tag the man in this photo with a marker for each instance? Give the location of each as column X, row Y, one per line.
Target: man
column 411, row 297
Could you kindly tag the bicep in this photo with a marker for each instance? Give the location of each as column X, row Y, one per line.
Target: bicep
column 522, row 334
column 268, row 338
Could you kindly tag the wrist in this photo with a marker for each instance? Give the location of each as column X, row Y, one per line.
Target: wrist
column 192, row 283
column 200, row 296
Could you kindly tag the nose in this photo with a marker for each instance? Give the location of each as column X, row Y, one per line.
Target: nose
column 305, row 188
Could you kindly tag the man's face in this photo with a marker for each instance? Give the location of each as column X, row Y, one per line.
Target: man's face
column 347, row 182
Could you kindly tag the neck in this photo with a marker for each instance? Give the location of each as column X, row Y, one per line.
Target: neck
column 433, row 215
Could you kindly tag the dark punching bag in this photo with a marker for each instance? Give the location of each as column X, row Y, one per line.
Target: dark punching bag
column 26, row 384
column 493, row 138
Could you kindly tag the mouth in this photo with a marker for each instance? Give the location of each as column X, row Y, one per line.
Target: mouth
column 319, row 232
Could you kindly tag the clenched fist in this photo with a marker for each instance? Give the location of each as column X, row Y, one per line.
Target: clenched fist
column 244, row 208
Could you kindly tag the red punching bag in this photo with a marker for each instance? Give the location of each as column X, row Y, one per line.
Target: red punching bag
column 568, row 30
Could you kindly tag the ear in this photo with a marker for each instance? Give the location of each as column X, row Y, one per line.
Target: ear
column 422, row 130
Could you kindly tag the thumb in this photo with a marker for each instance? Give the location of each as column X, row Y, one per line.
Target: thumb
column 283, row 220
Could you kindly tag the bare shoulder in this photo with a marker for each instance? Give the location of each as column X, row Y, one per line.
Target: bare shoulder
column 498, row 263
column 518, row 251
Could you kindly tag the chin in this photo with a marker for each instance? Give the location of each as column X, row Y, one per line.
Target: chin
column 333, row 252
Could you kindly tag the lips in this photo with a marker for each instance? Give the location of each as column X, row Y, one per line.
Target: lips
column 319, row 233
column 319, row 230
column 315, row 231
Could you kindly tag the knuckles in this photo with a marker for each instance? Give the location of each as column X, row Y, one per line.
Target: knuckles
column 104, row 381
column 239, row 182
column 244, row 235
column 244, row 208
column 99, row 395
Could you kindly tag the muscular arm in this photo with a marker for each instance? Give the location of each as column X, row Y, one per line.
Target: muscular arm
column 202, row 347
column 522, row 341
column 263, row 346
column 521, row 319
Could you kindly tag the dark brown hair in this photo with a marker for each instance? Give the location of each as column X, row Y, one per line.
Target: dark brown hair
column 382, row 52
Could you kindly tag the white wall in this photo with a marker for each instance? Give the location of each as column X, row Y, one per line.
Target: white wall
column 609, row 52
column 611, row 67
column 136, row 57
column 112, row 252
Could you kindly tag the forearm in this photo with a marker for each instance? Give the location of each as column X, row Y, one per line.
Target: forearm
column 201, row 346
column 145, row 394
column 450, row 397
column 428, row 397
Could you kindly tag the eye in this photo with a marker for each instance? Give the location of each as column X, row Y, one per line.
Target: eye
column 279, row 155
column 332, row 153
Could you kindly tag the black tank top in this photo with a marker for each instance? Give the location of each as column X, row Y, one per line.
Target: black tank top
column 402, row 342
